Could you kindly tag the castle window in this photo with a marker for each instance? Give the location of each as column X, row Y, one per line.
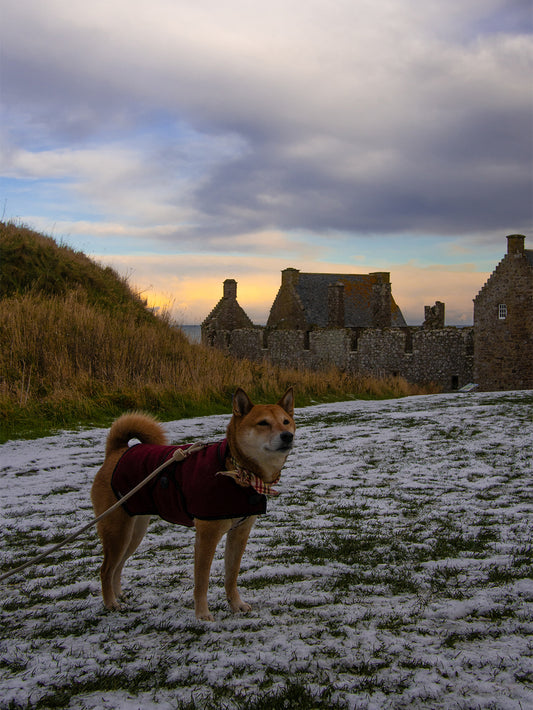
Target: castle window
column 408, row 342
column 502, row 311
column 354, row 337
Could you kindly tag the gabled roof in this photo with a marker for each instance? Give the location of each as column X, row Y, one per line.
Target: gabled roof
column 515, row 248
column 228, row 314
column 312, row 290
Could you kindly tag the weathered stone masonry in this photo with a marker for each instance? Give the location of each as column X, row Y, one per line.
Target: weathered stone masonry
column 503, row 320
column 443, row 356
column 352, row 322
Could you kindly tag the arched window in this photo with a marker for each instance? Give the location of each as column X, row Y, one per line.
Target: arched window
column 502, row 311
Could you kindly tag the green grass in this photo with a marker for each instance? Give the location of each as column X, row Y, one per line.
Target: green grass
column 294, row 696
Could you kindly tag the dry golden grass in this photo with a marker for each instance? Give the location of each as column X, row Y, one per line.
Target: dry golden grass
column 78, row 346
column 63, row 361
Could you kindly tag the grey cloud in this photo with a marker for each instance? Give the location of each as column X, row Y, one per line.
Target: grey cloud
column 385, row 132
column 476, row 176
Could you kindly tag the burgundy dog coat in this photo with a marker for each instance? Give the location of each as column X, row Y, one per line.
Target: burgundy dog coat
column 186, row 489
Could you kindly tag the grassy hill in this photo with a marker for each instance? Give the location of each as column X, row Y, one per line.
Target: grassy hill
column 78, row 346
column 32, row 263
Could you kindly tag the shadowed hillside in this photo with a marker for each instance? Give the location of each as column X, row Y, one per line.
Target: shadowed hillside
column 35, row 264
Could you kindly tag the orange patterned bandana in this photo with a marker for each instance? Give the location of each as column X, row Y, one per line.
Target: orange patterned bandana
column 246, row 478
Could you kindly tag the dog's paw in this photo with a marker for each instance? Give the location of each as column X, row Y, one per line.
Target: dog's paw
column 207, row 616
column 113, row 606
column 238, row 605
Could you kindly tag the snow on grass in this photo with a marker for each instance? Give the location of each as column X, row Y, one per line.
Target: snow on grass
column 394, row 571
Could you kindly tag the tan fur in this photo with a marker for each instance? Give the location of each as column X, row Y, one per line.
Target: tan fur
column 134, row 426
column 260, row 438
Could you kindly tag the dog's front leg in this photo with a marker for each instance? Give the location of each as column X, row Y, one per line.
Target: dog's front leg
column 235, row 545
column 208, row 535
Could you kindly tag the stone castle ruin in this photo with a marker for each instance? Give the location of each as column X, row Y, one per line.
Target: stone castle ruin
column 353, row 322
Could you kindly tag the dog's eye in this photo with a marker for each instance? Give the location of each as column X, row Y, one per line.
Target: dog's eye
column 263, row 422
column 286, row 422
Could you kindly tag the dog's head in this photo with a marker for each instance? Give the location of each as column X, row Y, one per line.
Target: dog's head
column 261, row 435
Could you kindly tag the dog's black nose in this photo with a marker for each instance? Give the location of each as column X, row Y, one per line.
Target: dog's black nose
column 286, row 437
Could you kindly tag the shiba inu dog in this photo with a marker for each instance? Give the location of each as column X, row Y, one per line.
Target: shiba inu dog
column 219, row 490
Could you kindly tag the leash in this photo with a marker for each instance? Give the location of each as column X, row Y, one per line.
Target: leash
column 178, row 455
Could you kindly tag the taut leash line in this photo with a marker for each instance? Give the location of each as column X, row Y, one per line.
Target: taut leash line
column 178, row 455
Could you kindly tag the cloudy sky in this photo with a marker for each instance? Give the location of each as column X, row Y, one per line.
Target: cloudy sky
column 188, row 142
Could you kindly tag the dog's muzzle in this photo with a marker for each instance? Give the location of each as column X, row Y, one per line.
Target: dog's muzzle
column 286, row 440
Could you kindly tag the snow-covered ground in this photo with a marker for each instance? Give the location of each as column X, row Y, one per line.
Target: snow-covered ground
column 394, row 571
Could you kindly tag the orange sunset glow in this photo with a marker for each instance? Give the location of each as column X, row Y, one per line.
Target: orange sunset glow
column 190, row 289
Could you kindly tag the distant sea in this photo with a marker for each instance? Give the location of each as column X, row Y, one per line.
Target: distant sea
column 193, row 332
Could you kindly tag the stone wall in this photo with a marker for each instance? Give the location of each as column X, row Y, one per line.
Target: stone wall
column 503, row 317
column 441, row 356
column 496, row 353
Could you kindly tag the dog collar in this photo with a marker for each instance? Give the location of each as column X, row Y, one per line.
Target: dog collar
column 246, row 478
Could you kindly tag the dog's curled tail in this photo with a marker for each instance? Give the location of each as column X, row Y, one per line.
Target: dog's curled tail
column 134, row 426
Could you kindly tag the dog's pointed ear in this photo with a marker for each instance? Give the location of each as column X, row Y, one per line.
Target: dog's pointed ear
column 241, row 403
column 287, row 401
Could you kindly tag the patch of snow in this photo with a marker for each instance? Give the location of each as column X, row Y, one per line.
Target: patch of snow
column 394, row 569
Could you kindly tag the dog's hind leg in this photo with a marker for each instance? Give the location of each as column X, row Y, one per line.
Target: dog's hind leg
column 140, row 525
column 236, row 540
column 116, row 533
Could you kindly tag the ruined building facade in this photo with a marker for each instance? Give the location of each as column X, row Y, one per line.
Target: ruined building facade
column 353, row 322
column 503, row 322
column 310, row 301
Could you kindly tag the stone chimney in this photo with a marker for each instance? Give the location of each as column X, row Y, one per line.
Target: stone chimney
column 336, row 305
column 230, row 288
column 381, row 300
column 515, row 244
column 290, row 276
column 434, row 316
